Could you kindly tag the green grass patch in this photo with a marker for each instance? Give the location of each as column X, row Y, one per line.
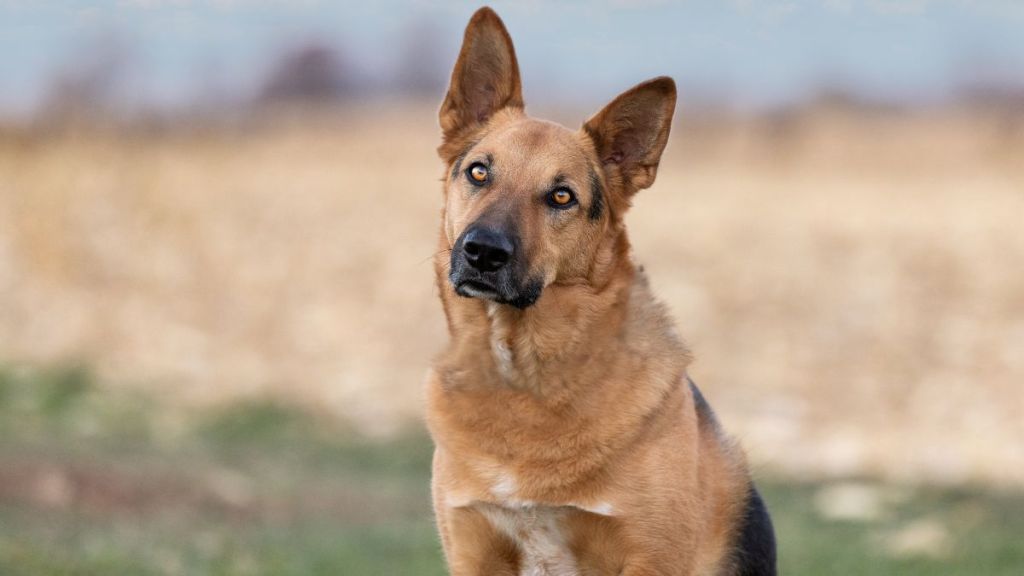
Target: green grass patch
column 925, row 531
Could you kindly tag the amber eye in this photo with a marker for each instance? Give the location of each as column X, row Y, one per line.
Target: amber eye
column 561, row 198
column 477, row 173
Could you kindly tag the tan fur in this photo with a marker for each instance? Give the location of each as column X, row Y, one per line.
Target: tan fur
column 567, row 439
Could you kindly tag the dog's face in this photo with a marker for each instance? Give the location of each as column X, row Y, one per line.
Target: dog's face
column 527, row 202
column 524, row 208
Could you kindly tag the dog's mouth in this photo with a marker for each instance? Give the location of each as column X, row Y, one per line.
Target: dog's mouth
column 484, row 290
column 477, row 289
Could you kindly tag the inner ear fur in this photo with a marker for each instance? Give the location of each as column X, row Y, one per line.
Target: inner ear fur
column 630, row 133
column 485, row 79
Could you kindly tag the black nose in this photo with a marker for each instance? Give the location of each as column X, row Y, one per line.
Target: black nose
column 486, row 250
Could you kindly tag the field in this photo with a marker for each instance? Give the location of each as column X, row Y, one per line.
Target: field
column 94, row 484
column 252, row 308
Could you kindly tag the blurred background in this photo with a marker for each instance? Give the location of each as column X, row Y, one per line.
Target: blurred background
column 210, row 363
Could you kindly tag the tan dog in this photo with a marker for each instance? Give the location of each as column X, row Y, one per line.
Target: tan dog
column 569, row 438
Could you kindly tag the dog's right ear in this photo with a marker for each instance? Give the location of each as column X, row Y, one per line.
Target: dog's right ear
column 485, row 79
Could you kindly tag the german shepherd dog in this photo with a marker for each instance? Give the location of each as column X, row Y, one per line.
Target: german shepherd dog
column 569, row 438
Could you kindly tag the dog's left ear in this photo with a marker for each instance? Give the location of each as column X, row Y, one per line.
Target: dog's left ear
column 485, row 78
column 630, row 133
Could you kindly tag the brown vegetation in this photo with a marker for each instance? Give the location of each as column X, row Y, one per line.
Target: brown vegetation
column 850, row 283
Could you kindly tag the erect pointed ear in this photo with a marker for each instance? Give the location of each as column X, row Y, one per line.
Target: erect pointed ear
column 486, row 76
column 630, row 133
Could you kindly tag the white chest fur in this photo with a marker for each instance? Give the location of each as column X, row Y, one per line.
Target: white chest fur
column 539, row 531
column 540, row 534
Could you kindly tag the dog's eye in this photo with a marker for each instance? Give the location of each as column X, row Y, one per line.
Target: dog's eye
column 561, row 198
column 477, row 173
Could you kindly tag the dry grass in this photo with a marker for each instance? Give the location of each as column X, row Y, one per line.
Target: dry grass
column 852, row 285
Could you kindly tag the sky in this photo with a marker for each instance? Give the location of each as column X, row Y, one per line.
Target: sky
column 740, row 53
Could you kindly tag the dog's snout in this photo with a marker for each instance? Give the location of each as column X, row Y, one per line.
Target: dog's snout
column 487, row 250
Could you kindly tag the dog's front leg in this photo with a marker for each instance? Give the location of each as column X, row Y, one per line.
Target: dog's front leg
column 472, row 545
column 474, row 548
column 675, row 568
column 665, row 563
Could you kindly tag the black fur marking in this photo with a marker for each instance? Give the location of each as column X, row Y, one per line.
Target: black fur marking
column 596, row 196
column 704, row 411
column 457, row 166
column 755, row 542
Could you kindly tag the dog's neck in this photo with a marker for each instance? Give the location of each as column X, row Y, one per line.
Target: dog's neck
column 533, row 348
column 562, row 328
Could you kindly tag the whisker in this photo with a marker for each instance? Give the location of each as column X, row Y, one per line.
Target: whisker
column 434, row 255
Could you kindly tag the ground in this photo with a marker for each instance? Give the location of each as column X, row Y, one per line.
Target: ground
column 101, row 482
column 251, row 307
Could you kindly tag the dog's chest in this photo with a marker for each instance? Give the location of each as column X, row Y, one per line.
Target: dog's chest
column 541, row 535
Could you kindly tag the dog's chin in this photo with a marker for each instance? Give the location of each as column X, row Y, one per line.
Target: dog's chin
column 484, row 291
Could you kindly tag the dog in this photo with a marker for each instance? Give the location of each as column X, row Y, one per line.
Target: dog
column 569, row 439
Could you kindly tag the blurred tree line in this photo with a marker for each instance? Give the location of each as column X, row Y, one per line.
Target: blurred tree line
column 101, row 81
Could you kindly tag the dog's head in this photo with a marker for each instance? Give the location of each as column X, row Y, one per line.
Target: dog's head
column 528, row 203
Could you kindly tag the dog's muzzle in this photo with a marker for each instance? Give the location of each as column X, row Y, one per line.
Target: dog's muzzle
column 486, row 263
